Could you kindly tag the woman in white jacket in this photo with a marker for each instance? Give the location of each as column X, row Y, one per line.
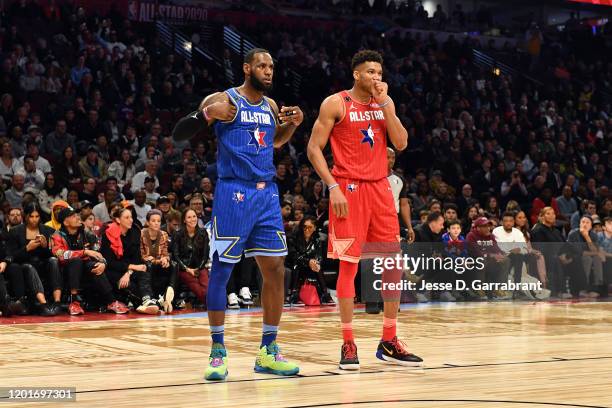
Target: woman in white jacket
column 123, row 169
column 50, row 193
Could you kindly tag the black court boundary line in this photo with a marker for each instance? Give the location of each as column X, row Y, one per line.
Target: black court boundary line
column 333, row 373
column 554, row 404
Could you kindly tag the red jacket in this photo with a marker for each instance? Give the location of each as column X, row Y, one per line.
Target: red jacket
column 537, row 206
column 65, row 247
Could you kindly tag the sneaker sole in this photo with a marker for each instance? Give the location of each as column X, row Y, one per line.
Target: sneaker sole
column 264, row 370
column 349, row 367
column 216, row 376
column 392, row 360
column 246, row 302
column 168, row 298
column 300, row 305
column 151, row 310
column 234, row 307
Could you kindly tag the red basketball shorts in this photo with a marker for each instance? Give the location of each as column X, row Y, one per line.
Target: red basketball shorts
column 371, row 227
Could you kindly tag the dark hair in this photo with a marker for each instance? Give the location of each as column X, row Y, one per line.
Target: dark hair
column 433, row 216
column 451, row 206
column 511, row 214
column 453, row 222
column 109, row 178
column 250, row 56
column 607, row 219
column 29, row 208
column 56, row 189
column 184, row 214
column 366, row 56
column 154, row 212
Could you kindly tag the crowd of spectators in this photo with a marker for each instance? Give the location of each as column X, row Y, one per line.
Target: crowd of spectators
column 88, row 103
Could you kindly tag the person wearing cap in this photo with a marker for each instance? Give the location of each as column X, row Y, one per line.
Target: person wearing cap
column 587, row 260
column 80, row 259
column 149, row 189
column 93, row 166
column 126, row 269
column 55, row 210
column 160, row 276
column 481, row 243
column 163, row 204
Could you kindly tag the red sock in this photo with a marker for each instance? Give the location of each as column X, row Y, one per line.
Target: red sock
column 347, row 332
column 389, row 329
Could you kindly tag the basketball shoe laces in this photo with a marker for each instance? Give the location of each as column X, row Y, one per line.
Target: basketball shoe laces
column 400, row 346
column 349, row 350
column 275, row 350
column 217, row 357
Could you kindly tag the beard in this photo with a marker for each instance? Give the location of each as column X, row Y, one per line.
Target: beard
column 259, row 85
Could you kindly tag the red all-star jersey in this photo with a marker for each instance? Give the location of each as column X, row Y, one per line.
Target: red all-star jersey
column 359, row 141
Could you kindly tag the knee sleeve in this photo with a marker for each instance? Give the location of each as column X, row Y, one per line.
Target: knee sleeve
column 345, row 287
column 217, row 282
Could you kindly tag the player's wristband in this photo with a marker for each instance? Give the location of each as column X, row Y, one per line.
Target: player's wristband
column 330, row 188
column 385, row 104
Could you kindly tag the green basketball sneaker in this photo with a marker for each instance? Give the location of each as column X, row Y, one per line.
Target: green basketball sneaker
column 217, row 363
column 270, row 360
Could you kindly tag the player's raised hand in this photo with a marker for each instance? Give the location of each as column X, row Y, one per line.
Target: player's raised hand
column 291, row 114
column 379, row 92
column 223, row 111
column 338, row 203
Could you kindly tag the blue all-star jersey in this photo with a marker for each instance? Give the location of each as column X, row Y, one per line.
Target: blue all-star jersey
column 246, row 144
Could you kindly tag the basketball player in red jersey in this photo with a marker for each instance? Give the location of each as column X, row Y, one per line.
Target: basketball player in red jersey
column 357, row 123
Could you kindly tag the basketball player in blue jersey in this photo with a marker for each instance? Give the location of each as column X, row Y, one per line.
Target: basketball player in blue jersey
column 246, row 215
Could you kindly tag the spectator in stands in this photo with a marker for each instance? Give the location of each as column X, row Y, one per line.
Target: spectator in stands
column 140, row 206
column 33, row 178
column 190, row 252
column 304, row 260
column 29, row 257
column 102, row 210
column 123, row 169
column 8, row 164
column 92, row 166
column 587, row 207
column 586, row 253
column 160, row 277
column 512, row 242
column 14, row 195
column 50, row 193
column 56, row 142
column 125, row 269
column 42, row 164
column 548, row 240
column 567, row 203
column 545, row 199
column 89, row 191
column 481, row 243
column 138, row 182
column 149, row 188
column 67, row 170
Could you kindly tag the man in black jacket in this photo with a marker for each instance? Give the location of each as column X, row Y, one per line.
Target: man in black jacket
column 428, row 240
column 547, row 239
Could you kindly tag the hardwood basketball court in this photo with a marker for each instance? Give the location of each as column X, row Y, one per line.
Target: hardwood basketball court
column 476, row 355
